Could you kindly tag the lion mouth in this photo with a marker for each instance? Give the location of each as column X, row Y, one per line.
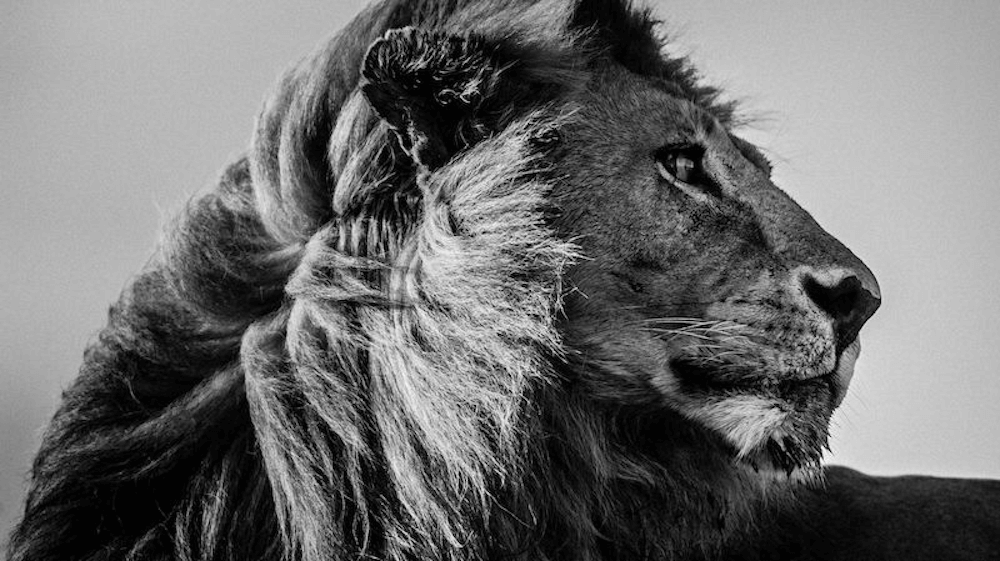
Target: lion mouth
column 698, row 377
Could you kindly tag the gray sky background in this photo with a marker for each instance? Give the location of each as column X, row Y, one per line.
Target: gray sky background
column 881, row 117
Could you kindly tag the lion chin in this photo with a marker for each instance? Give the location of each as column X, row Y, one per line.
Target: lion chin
column 778, row 430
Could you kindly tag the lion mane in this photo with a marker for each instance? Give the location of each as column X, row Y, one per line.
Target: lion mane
column 333, row 355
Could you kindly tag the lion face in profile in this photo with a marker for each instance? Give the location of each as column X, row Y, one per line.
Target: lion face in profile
column 709, row 291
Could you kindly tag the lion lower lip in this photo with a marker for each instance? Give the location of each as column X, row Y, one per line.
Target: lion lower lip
column 702, row 378
column 699, row 377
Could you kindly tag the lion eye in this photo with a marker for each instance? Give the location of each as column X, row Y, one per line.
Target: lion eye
column 683, row 164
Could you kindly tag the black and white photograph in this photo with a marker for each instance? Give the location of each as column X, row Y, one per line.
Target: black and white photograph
column 483, row 280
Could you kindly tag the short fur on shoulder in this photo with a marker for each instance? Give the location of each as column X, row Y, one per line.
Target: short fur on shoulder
column 348, row 348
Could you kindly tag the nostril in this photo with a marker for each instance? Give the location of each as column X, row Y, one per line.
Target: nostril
column 839, row 300
column 846, row 301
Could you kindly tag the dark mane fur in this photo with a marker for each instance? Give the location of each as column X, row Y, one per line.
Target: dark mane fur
column 321, row 361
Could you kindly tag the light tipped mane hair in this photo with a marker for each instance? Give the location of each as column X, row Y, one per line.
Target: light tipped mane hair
column 331, row 356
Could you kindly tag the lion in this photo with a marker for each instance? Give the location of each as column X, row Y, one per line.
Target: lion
column 495, row 280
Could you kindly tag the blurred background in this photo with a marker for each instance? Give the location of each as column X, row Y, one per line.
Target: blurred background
column 881, row 118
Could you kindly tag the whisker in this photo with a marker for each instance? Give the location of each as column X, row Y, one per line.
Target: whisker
column 678, row 332
column 680, row 320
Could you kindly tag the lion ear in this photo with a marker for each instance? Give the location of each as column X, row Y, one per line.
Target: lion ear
column 427, row 86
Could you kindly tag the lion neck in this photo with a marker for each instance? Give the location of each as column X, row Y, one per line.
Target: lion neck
column 602, row 483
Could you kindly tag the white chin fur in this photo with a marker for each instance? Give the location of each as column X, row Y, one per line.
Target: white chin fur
column 745, row 421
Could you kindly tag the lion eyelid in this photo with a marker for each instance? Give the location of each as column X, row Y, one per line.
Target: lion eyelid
column 703, row 190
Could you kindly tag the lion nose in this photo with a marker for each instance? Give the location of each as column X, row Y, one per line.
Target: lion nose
column 845, row 299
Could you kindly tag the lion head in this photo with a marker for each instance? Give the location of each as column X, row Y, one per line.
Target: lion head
column 709, row 292
column 495, row 279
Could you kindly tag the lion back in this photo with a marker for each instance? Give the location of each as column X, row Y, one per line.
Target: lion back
column 157, row 419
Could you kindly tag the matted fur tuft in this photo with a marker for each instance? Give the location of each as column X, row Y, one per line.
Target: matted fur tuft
column 332, row 355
